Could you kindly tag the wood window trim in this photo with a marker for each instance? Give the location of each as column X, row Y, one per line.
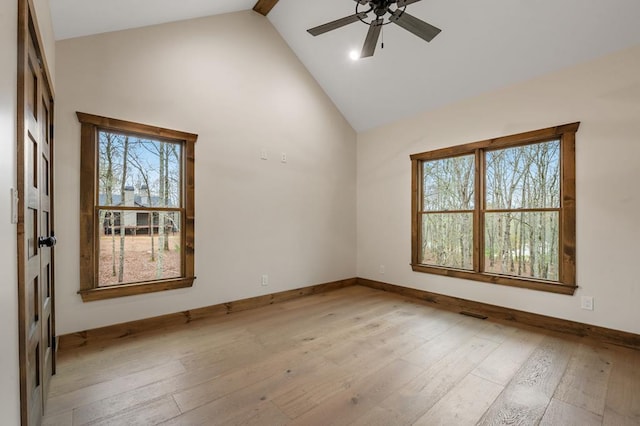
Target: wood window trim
column 90, row 125
column 567, row 274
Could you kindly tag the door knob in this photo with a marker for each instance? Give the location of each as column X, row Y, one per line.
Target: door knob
column 47, row 241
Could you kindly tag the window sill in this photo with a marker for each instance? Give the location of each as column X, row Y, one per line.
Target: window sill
column 110, row 292
column 551, row 287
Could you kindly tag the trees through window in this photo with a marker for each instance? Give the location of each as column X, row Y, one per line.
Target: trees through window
column 501, row 210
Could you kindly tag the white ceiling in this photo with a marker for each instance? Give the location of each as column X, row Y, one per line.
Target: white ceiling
column 75, row 18
column 484, row 45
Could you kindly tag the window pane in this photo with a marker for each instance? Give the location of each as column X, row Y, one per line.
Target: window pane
column 151, row 176
column 523, row 244
column 524, row 177
column 447, row 240
column 138, row 246
column 448, row 184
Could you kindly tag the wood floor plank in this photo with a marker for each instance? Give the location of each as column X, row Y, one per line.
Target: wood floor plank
column 64, row 418
column 153, row 413
column 380, row 334
column 238, row 379
column 206, row 415
column 623, row 393
column 464, row 404
column 327, row 333
column 86, row 395
column 119, row 402
column 323, row 330
column 527, row 395
column 504, row 362
column 612, row 418
column 351, row 356
column 314, row 392
column 269, row 415
column 443, row 343
column 433, row 322
column 357, row 359
column 425, row 390
column 379, row 416
column 125, row 360
column 235, row 405
column 562, row 413
column 364, row 394
column 585, row 382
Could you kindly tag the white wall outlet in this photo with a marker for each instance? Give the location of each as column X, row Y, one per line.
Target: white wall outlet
column 263, row 154
column 381, row 269
column 587, row 303
column 264, row 281
column 283, row 157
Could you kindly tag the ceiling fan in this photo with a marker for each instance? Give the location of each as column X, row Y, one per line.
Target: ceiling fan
column 389, row 10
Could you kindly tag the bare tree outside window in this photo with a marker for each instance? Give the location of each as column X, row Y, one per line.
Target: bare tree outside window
column 448, row 200
column 135, row 175
column 522, row 210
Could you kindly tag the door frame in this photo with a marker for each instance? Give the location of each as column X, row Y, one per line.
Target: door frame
column 27, row 23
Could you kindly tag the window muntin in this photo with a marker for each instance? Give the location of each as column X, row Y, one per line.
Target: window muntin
column 500, row 211
column 136, row 208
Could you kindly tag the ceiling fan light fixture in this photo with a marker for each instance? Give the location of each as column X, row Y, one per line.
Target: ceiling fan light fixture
column 386, row 12
column 354, row 55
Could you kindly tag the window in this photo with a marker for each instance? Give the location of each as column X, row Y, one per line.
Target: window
column 136, row 208
column 500, row 211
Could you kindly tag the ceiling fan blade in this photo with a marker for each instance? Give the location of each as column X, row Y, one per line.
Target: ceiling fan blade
column 372, row 38
column 403, row 3
column 414, row 25
column 329, row 26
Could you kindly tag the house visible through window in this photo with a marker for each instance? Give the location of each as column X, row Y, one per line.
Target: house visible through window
column 136, row 208
column 501, row 211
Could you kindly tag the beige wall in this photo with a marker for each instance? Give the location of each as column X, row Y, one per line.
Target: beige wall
column 232, row 80
column 605, row 96
column 9, row 384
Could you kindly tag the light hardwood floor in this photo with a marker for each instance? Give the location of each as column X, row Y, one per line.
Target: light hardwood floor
column 352, row 356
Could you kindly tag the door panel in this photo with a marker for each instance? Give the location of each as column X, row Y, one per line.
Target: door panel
column 36, row 286
column 45, row 230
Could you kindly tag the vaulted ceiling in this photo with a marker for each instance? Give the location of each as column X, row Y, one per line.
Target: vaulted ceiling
column 484, row 45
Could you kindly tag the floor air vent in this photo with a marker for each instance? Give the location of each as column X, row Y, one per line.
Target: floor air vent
column 473, row 314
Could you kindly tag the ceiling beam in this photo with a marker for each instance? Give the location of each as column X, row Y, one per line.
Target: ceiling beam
column 264, row 6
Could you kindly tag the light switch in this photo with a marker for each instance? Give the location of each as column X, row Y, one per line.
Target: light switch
column 14, row 205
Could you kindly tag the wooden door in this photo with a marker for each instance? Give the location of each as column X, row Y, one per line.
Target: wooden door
column 35, row 232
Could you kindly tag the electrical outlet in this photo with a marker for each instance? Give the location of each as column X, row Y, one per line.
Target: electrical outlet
column 381, row 269
column 263, row 154
column 264, row 280
column 587, row 303
column 283, row 157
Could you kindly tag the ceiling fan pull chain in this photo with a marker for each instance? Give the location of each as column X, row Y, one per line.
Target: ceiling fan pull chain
column 382, row 43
